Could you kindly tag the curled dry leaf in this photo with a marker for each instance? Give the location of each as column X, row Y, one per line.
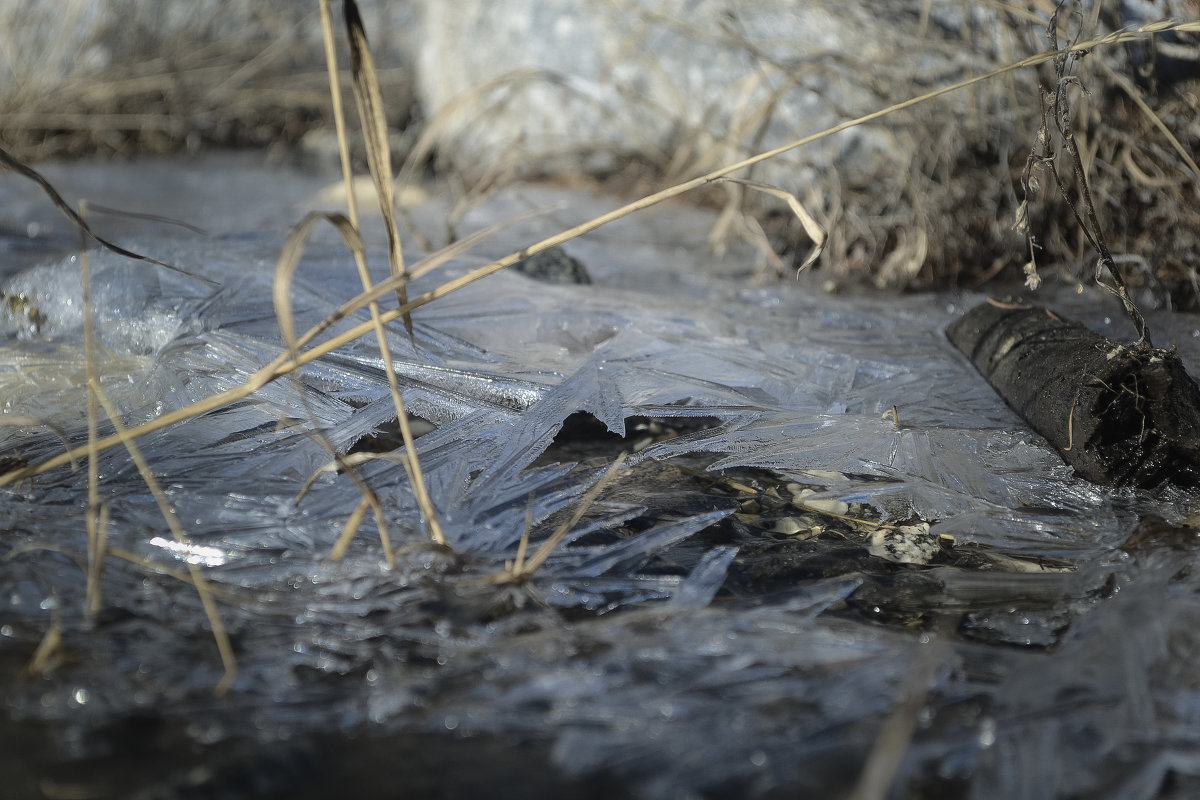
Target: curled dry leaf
column 812, row 228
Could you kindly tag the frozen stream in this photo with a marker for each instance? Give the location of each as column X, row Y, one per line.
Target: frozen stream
column 709, row 626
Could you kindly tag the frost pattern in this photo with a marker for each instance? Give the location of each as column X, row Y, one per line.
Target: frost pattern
column 623, row 652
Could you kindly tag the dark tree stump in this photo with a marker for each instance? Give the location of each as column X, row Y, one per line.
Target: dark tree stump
column 1119, row 416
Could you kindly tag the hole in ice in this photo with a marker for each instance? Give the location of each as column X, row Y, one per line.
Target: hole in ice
column 584, row 437
column 386, row 437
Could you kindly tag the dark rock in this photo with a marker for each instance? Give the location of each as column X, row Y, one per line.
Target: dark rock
column 553, row 266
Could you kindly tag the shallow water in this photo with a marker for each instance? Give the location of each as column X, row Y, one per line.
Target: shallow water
column 709, row 590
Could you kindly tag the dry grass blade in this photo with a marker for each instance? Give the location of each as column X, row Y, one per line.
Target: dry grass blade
column 345, row 462
column 159, row 569
column 371, row 500
column 16, row 166
column 522, row 571
column 96, row 208
column 285, row 271
column 48, row 548
column 518, row 564
column 97, row 514
column 206, row 596
column 289, row 259
column 339, row 113
column 43, row 656
column 812, row 228
column 422, row 150
column 375, row 133
column 896, row 735
column 123, row 555
column 1136, row 96
column 349, row 529
column 97, row 551
column 372, row 294
column 371, row 111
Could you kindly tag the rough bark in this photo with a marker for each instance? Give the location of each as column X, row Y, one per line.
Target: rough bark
column 1117, row 415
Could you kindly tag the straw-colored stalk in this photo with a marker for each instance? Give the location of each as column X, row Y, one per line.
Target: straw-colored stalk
column 520, row 569
column 379, row 157
column 224, row 647
column 96, row 517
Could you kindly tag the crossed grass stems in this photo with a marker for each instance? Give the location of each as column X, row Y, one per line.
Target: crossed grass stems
column 305, row 348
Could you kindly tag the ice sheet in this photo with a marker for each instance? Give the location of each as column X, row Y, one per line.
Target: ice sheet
column 649, row 628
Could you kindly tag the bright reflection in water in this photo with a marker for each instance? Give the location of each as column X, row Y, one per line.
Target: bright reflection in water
column 200, row 555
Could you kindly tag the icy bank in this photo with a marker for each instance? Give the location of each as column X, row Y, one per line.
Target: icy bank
column 728, row 617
